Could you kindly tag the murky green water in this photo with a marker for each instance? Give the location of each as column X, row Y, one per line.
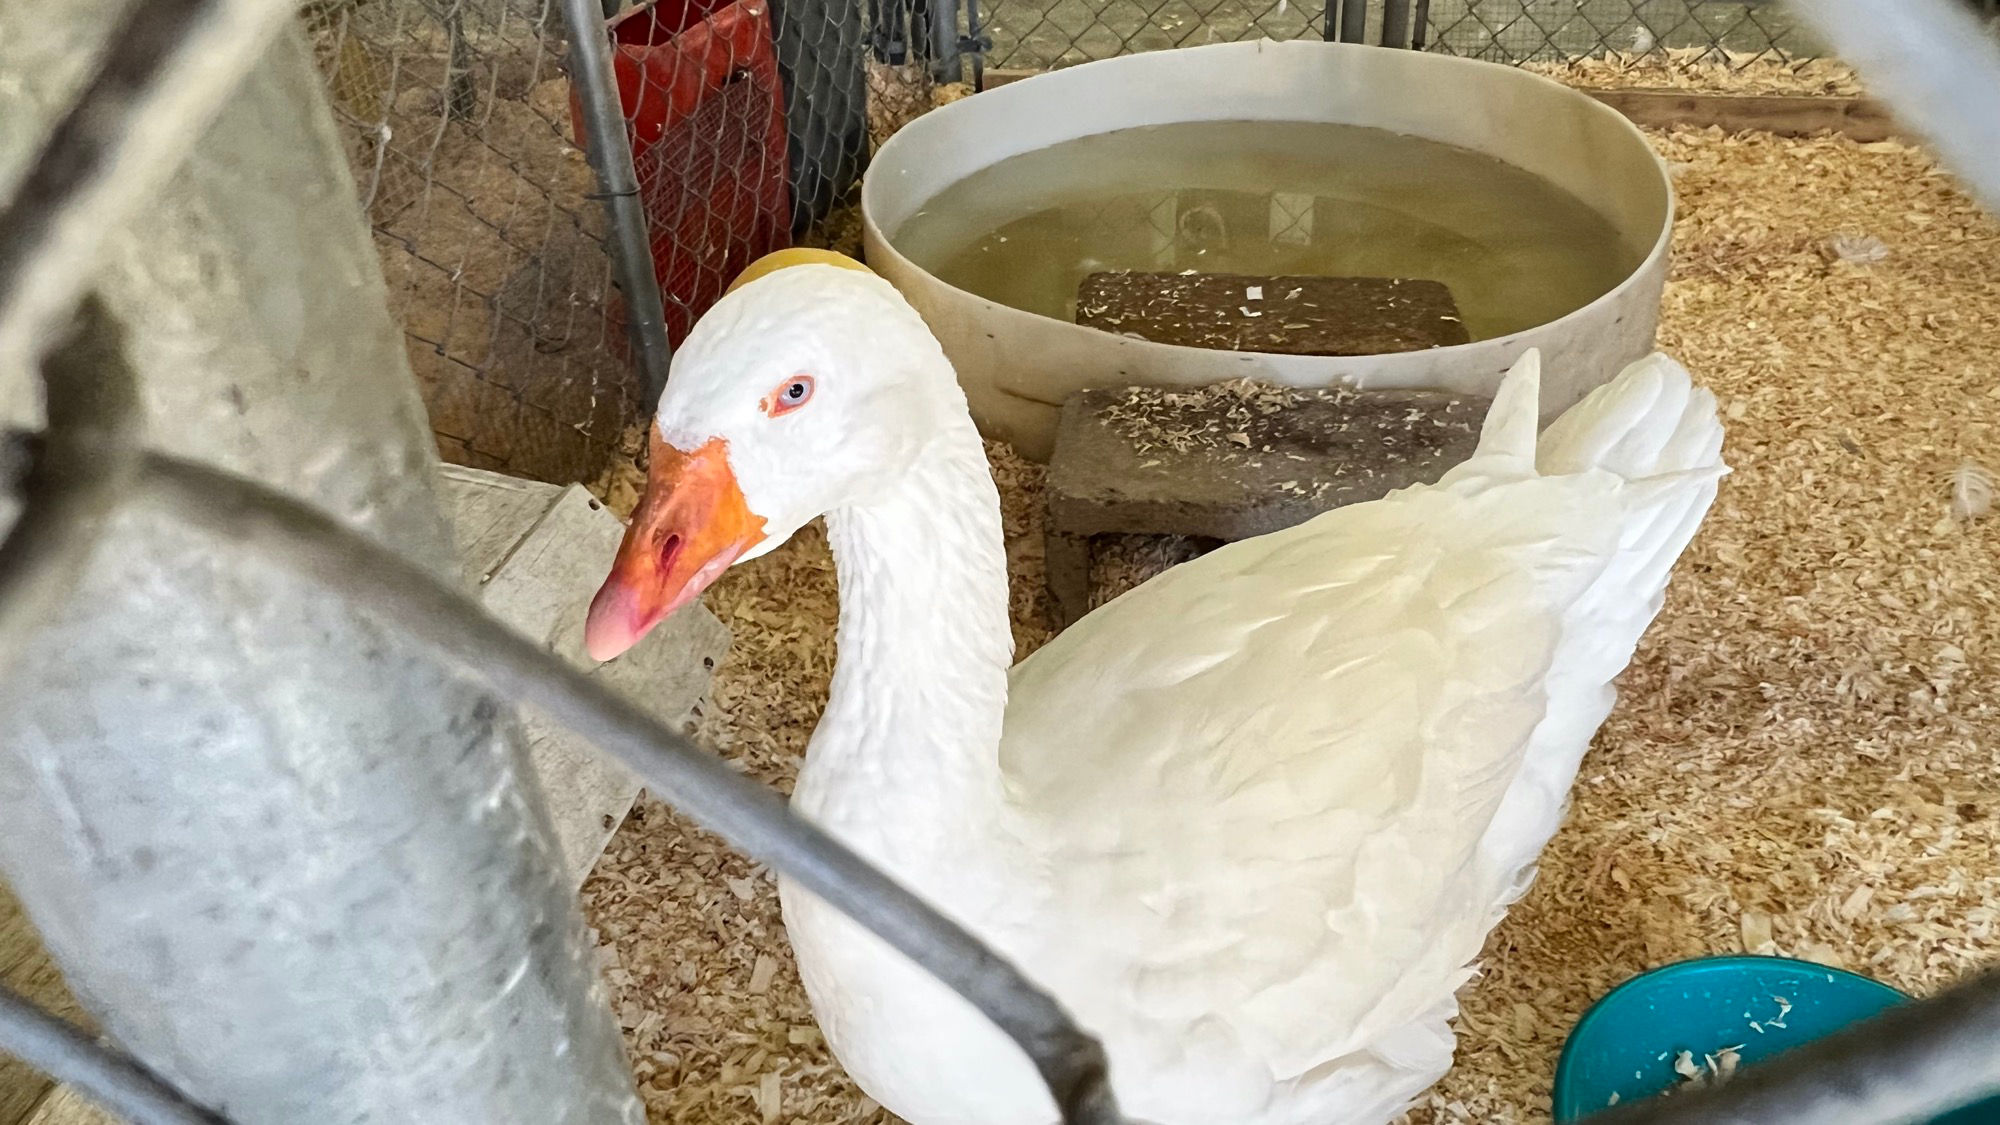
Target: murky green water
column 1271, row 198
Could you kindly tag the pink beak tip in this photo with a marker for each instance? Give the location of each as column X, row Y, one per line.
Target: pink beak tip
column 612, row 627
column 603, row 647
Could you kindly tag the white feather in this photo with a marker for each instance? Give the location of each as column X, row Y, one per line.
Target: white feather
column 1971, row 491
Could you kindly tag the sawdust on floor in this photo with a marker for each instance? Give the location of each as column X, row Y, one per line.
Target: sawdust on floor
column 1803, row 756
column 1705, row 70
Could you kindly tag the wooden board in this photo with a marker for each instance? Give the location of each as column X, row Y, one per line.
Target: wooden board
column 537, row 553
column 64, row 1106
column 1230, row 462
column 1286, row 315
column 1786, row 115
column 489, row 513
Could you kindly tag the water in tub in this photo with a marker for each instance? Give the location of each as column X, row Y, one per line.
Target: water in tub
column 1270, row 198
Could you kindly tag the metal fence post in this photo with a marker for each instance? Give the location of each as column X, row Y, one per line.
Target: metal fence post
column 1395, row 23
column 1346, row 21
column 609, row 150
column 945, row 65
column 286, row 857
column 1354, row 21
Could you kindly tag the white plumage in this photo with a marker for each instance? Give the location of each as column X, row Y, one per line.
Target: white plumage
column 1250, row 822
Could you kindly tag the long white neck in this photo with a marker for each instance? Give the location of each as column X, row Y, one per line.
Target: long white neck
column 906, row 758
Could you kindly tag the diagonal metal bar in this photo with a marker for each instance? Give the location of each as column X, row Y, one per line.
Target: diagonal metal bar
column 112, row 1080
column 68, row 492
column 291, row 535
column 167, row 72
column 404, row 596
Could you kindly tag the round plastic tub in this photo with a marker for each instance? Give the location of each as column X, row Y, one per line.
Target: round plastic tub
column 1623, row 1049
column 1018, row 367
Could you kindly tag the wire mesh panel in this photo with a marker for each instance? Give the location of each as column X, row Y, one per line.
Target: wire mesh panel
column 456, row 119
column 700, row 89
column 749, row 123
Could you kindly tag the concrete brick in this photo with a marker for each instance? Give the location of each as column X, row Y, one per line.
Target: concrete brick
column 1290, row 315
column 1232, row 474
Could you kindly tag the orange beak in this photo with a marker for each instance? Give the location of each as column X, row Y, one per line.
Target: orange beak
column 692, row 523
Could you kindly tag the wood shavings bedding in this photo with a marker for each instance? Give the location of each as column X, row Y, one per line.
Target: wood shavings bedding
column 898, row 95
column 1704, row 70
column 1804, row 753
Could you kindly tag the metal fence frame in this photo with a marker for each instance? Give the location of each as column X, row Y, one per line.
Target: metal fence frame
column 171, row 69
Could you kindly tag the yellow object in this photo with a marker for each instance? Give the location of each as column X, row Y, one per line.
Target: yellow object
column 797, row 256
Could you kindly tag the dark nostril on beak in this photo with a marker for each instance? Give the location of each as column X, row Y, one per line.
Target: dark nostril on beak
column 670, row 548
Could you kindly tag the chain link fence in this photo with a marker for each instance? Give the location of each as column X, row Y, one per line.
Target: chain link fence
column 1730, row 32
column 456, row 119
column 1039, row 34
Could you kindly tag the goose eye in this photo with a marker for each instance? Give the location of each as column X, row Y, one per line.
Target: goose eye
column 789, row 395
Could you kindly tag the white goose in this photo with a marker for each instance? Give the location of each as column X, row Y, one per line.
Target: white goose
column 1249, row 822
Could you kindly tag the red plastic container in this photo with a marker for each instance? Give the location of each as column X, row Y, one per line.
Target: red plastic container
column 698, row 81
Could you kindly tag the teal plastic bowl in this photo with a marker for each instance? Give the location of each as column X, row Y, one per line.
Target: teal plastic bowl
column 1623, row 1049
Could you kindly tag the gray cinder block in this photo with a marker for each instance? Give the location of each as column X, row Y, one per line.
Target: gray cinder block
column 1233, row 461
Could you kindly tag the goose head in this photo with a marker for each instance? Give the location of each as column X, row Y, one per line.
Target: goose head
column 811, row 386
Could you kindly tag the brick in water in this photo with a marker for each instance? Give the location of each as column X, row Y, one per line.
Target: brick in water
column 1286, row 315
